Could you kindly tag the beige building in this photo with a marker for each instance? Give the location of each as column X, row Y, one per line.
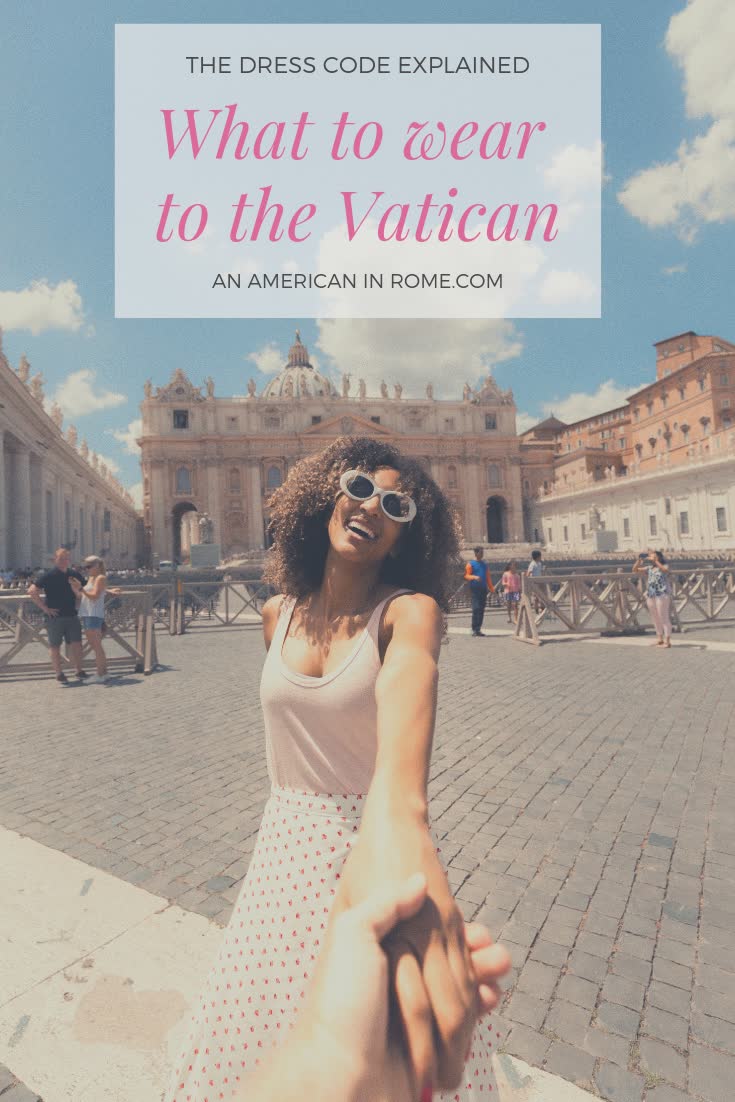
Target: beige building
column 688, row 506
column 53, row 490
column 224, row 456
column 659, row 470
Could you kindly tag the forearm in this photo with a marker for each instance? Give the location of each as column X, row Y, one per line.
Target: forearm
column 306, row 1067
column 406, row 695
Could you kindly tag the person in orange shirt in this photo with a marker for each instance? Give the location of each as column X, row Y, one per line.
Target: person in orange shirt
column 477, row 573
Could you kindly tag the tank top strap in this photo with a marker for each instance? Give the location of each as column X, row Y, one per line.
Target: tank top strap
column 373, row 625
column 284, row 619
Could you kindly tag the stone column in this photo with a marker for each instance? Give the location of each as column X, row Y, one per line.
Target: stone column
column 20, row 506
column 256, row 533
column 38, row 544
column 161, row 536
column 475, row 502
column 214, row 499
column 4, row 505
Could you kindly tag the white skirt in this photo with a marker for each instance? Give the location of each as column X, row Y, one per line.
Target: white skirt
column 255, row 989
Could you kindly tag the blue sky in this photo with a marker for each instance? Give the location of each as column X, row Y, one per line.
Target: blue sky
column 668, row 113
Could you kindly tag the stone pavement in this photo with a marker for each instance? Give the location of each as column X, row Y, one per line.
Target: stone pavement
column 11, row 1090
column 583, row 794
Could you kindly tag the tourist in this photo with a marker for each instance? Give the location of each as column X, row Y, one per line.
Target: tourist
column 535, row 570
column 511, row 582
column 60, row 608
column 92, row 611
column 658, row 593
column 345, row 1026
column 477, row 573
column 363, row 543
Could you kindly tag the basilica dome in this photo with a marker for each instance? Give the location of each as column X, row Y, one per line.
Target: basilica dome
column 298, row 379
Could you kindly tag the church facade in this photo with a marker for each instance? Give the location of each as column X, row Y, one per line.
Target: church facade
column 223, row 457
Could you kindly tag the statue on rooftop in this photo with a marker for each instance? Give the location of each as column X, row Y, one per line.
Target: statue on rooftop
column 36, row 386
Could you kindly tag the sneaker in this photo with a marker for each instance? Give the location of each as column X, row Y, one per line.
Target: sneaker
column 99, row 679
column 82, row 675
column 62, row 679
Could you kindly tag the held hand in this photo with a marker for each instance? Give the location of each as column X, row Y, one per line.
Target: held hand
column 342, row 1035
column 51, row 612
column 347, row 1007
column 436, row 1000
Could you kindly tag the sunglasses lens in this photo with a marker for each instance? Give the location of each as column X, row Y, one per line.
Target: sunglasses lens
column 396, row 505
column 360, row 487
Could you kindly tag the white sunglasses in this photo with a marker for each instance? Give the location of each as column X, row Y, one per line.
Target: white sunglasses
column 396, row 505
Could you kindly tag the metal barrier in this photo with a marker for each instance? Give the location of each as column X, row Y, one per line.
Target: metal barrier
column 461, row 600
column 615, row 603
column 23, row 625
column 226, row 603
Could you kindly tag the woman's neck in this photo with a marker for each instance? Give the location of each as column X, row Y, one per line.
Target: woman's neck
column 346, row 591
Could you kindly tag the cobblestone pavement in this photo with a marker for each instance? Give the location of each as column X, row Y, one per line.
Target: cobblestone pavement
column 11, row 1090
column 584, row 794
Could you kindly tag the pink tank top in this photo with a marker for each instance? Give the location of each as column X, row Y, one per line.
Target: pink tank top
column 321, row 732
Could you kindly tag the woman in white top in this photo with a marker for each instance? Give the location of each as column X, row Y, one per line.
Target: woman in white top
column 92, row 611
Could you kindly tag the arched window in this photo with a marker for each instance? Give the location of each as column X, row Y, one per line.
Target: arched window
column 493, row 474
column 452, row 478
column 235, row 485
column 183, row 480
column 274, row 478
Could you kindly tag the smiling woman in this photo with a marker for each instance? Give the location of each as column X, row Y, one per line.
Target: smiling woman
column 301, row 509
column 362, row 543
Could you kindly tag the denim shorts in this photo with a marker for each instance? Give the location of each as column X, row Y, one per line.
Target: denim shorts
column 93, row 622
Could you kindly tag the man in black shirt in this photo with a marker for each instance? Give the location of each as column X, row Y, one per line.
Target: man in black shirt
column 60, row 607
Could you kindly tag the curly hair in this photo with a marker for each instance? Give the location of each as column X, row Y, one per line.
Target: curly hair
column 302, row 506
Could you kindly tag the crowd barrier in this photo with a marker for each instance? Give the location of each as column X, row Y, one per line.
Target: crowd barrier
column 615, row 603
column 129, row 641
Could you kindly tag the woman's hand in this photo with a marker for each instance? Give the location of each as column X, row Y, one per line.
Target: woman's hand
column 435, row 993
column 76, row 586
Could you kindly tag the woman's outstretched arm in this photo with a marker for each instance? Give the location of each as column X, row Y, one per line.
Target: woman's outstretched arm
column 435, row 990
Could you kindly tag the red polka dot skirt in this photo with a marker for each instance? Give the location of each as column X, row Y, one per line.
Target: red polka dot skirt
column 254, row 991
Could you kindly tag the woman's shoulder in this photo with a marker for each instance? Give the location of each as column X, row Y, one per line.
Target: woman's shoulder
column 410, row 607
column 271, row 610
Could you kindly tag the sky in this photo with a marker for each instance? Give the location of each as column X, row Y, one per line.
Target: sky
column 668, row 221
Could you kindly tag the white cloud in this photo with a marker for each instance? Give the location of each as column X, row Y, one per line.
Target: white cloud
column 268, row 359
column 574, row 169
column 560, row 287
column 112, row 466
column 700, row 38
column 136, row 492
column 413, row 353
column 525, row 421
column 42, row 306
column 578, row 405
column 77, row 395
column 698, row 185
column 127, row 437
column 674, row 269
